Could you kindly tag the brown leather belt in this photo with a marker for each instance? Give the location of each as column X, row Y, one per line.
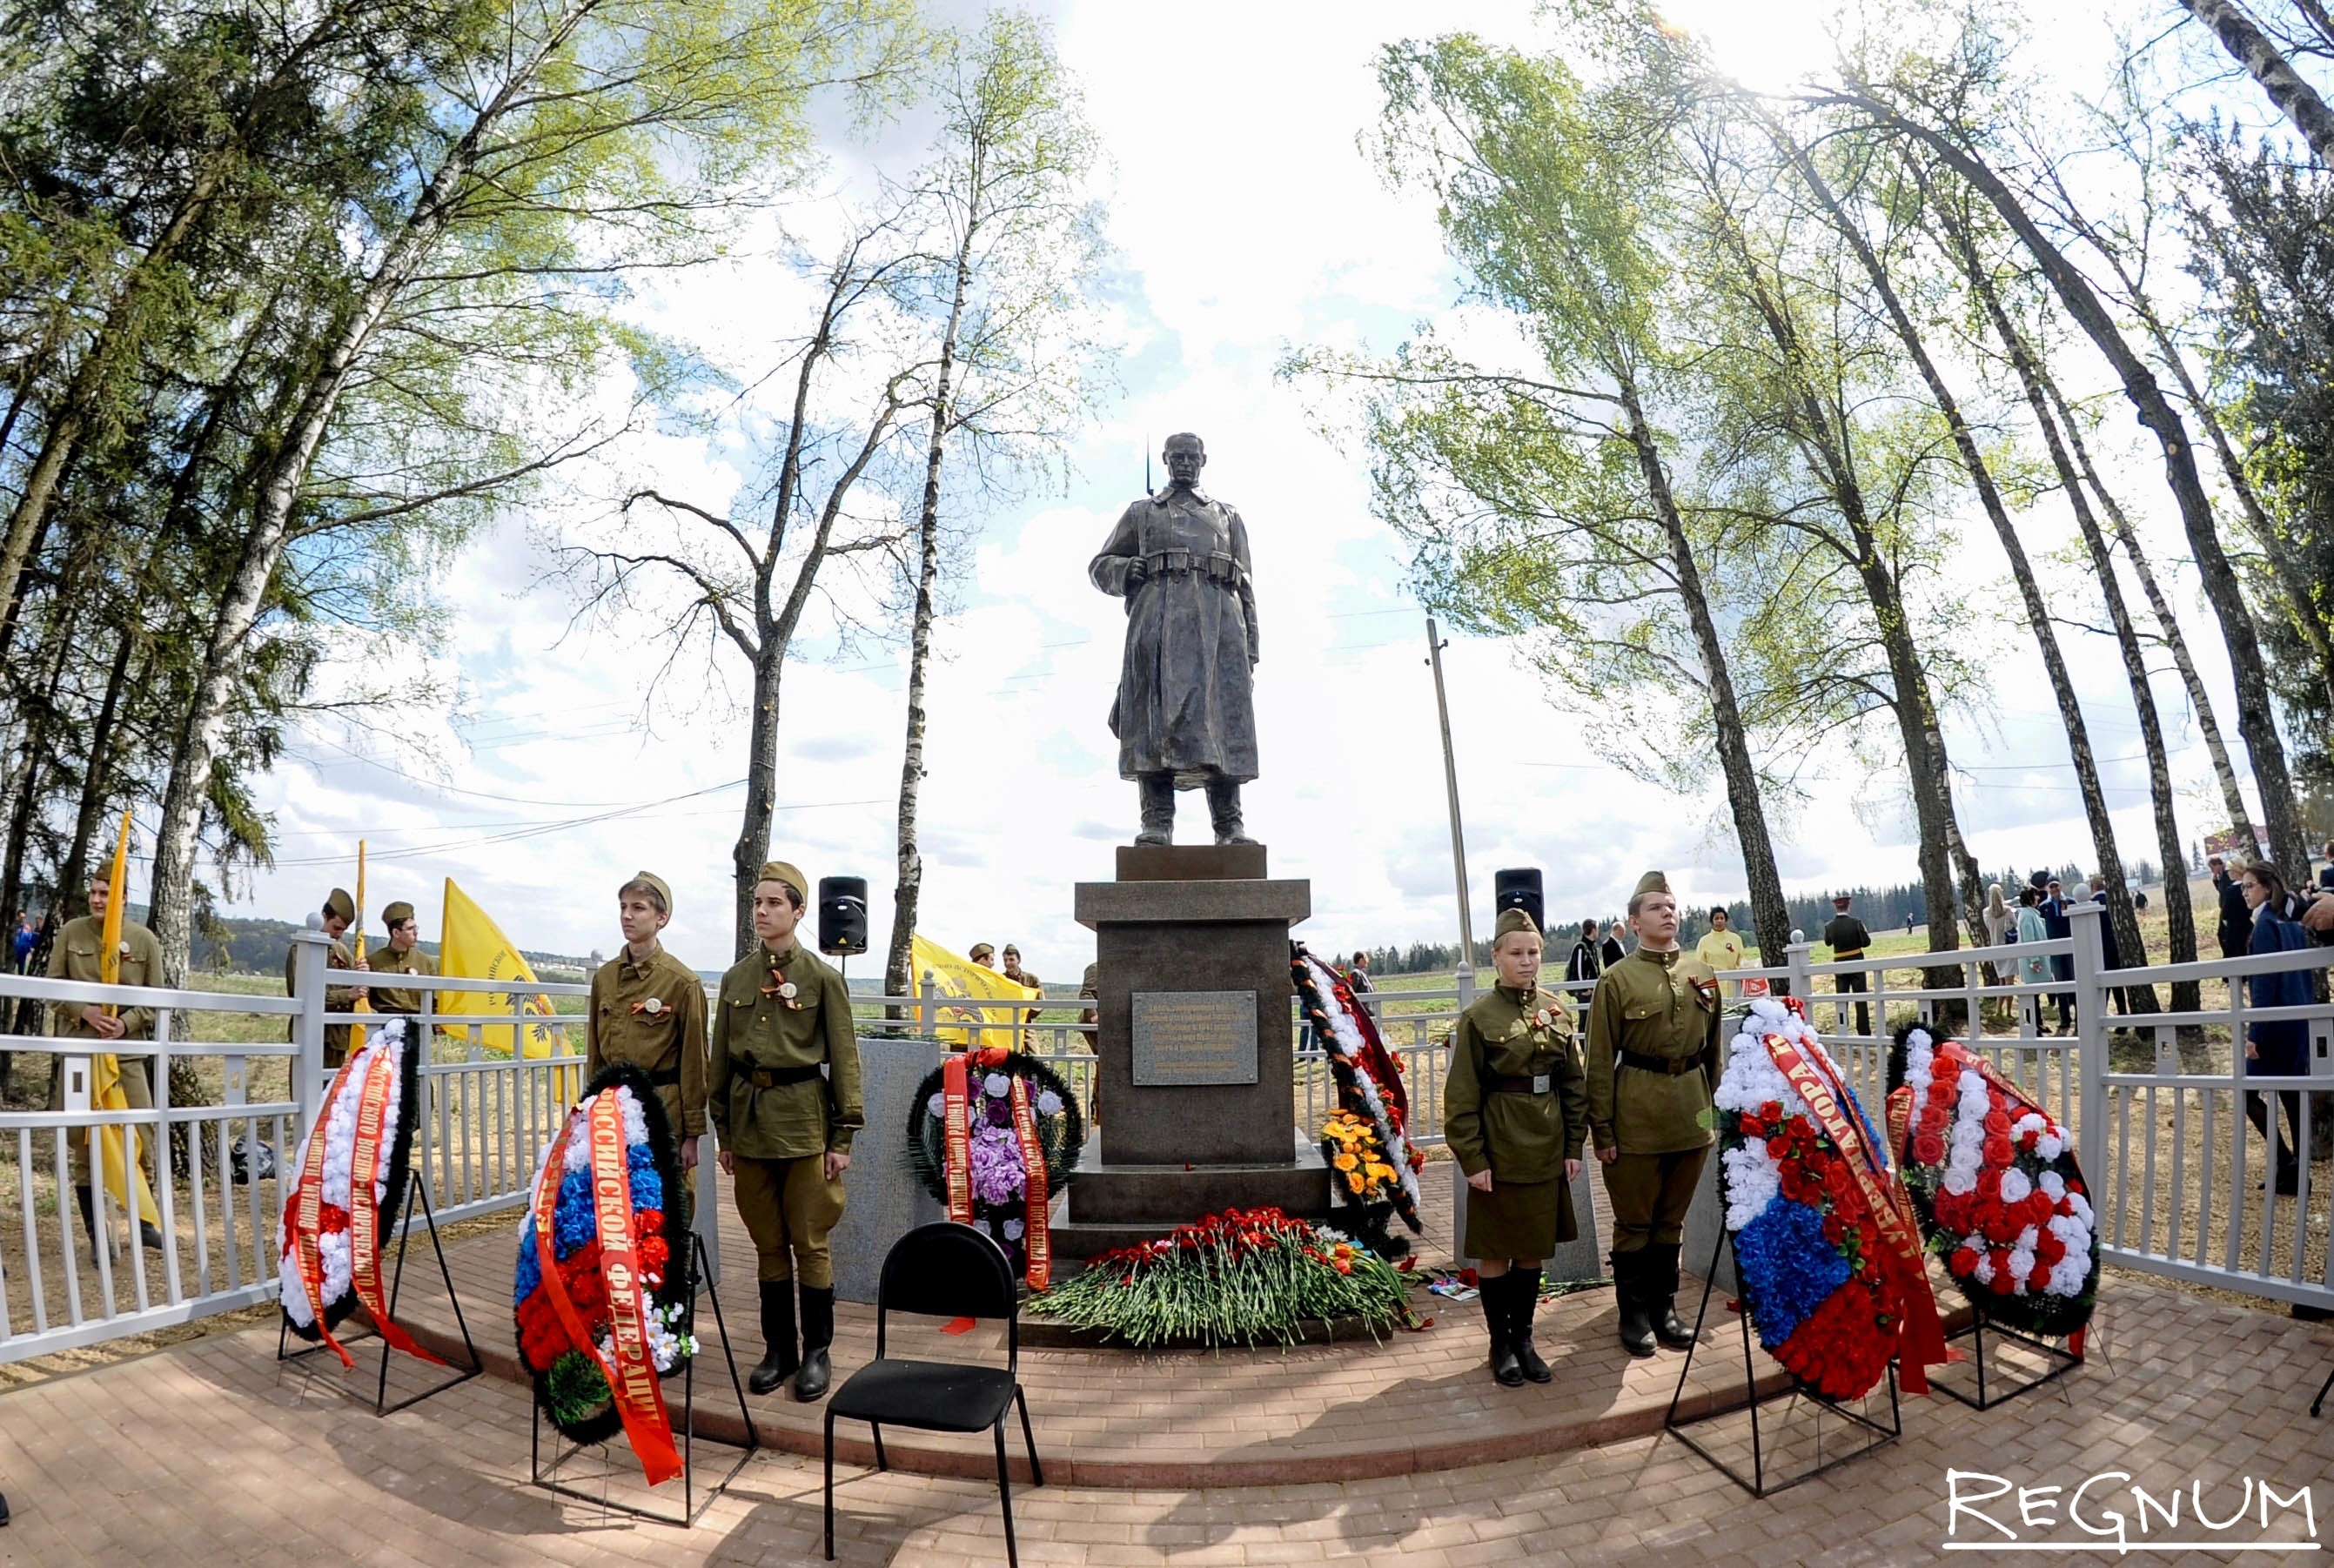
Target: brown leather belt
column 1668, row 1066
column 777, row 1077
column 1841, row 957
column 1503, row 1084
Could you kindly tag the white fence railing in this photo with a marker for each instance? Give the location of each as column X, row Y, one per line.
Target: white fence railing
column 2181, row 1178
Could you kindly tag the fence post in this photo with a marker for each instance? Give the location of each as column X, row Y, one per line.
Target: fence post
column 926, row 1020
column 2091, row 1044
column 1801, row 983
column 1465, row 982
column 308, row 949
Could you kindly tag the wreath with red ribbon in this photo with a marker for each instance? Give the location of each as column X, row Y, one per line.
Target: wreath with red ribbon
column 994, row 1134
column 348, row 1192
column 601, row 1296
column 1369, row 1129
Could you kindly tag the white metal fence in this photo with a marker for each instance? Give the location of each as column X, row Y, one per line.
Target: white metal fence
column 2182, row 1179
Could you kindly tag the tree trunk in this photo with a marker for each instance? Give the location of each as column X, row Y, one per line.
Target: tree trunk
column 907, row 893
column 2286, row 89
column 2038, row 610
column 117, row 338
column 2200, row 701
column 277, row 494
column 2256, row 718
column 753, row 846
column 1771, row 916
column 2179, row 912
column 97, row 775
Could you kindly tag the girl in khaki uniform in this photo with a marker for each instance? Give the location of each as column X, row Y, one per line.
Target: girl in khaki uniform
column 1515, row 1112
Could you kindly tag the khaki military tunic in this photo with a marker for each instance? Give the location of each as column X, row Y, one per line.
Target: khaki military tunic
column 1661, row 1006
column 651, row 1015
column 75, row 958
column 776, row 1114
column 337, row 999
column 387, row 960
column 1515, row 1104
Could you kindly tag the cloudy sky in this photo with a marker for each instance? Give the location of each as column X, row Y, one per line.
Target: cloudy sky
column 1244, row 220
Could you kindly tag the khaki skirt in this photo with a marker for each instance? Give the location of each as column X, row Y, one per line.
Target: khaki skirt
column 1519, row 1219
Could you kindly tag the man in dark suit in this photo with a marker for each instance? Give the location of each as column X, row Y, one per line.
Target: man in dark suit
column 1848, row 938
column 2236, row 923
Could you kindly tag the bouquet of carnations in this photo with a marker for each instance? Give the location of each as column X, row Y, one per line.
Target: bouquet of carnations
column 602, row 1295
column 1825, row 1241
column 1238, row 1277
column 1994, row 1180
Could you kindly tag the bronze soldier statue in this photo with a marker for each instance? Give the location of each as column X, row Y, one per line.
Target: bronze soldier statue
column 1185, row 715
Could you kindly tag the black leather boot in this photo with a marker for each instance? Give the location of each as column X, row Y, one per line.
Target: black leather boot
column 88, row 1212
column 818, row 1332
column 1629, row 1293
column 1505, row 1366
column 1155, row 793
column 1661, row 1297
column 1224, row 812
column 1521, row 1306
column 779, row 1357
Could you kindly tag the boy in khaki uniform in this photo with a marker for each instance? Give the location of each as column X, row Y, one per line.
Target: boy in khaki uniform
column 647, row 1008
column 76, row 955
column 1653, row 1060
column 401, row 955
column 340, row 913
column 782, row 1091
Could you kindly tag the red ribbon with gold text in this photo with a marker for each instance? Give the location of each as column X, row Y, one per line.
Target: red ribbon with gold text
column 364, row 1210
column 639, row 1397
column 307, row 1213
column 1037, row 1240
column 1920, row 1337
column 957, row 1135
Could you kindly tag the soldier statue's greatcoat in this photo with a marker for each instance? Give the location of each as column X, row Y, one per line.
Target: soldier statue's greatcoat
column 1185, row 715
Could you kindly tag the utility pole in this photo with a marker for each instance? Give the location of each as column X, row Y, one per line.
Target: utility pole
column 1466, row 974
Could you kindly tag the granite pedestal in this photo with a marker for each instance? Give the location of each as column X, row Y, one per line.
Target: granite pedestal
column 881, row 1198
column 1192, row 1036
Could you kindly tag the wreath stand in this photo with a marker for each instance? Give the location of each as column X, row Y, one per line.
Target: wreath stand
column 692, row 1505
column 2058, row 1360
column 1758, row 1482
column 380, row 1405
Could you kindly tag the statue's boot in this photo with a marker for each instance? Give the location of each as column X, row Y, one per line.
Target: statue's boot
column 1224, row 809
column 1156, row 794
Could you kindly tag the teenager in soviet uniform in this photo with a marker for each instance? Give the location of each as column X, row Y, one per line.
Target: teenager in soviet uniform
column 647, row 1008
column 78, row 954
column 783, row 1092
column 1653, row 1060
column 1515, row 1109
column 402, row 954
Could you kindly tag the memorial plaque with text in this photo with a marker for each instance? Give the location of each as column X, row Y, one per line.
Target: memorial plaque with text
column 1190, row 1038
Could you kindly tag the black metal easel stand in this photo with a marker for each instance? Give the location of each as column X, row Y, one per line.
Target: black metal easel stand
column 1758, row 1482
column 380, row 1405
column 2061, row 1360
column 691, row 1504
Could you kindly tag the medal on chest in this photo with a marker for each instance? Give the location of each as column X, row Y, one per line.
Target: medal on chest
column 785, row 990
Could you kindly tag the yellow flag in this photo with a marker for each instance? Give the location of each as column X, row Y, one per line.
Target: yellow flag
column 105, row 1071
column 963, row 979
column 471, row 947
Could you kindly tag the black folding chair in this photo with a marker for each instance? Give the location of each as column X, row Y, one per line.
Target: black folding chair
column 941, row 1270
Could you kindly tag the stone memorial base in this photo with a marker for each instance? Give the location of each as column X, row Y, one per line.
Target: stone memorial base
column 883, row 1199
column 1195, row 1066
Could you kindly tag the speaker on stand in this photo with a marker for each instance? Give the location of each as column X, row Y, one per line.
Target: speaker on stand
column 842, row 917
column 1519, row 888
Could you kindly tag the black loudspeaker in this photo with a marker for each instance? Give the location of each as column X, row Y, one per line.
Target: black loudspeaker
column 1518, row 888
column 842, row 914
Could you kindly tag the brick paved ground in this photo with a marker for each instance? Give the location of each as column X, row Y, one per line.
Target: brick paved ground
column 208, row 1452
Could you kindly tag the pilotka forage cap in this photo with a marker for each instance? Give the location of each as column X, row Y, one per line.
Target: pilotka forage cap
column 396, row 914
column 779, row 871
column 338, row 903
column 1652, row 883
column 656, row 885
column 1513, row 920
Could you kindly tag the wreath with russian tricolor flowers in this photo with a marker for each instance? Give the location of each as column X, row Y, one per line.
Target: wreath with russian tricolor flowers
column 1994, row 1178
column 368, row 1113
column 603, row 1252
column 1826, row 1248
